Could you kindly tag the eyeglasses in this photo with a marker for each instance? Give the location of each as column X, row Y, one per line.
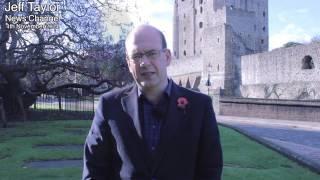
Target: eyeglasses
column 150, row 55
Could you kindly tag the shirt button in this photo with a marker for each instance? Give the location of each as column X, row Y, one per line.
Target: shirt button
column 153, row 148
column 153, row 126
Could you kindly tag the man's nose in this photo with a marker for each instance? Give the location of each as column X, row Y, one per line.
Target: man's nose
column 144, row 60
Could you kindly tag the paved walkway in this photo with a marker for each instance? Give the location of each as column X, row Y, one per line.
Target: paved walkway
column 299, row 140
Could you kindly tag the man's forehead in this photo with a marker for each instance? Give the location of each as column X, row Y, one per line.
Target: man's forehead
column 135, row 49
column 147, row 38
column 143, row 35
column 143, row 45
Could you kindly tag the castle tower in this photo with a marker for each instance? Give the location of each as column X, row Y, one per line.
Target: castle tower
column 184, row 28
column 220, row 31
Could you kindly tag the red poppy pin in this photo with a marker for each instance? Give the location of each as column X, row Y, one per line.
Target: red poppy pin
column 182, row 102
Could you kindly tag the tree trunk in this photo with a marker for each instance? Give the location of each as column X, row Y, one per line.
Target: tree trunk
column 3, row 115
column 22, row 108
column 14, row 103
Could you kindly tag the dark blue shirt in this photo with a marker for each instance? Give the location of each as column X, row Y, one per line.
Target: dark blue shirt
column 152, row 117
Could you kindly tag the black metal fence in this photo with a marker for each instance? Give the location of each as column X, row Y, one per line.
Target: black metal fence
column 64, row 103
column 68, row 106
column 48, row 102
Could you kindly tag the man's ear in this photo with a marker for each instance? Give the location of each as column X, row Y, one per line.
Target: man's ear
column 168, row 57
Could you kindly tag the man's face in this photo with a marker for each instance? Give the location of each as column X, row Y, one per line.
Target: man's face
column 147, row 60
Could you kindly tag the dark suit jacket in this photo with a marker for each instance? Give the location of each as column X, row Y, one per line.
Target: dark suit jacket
column 189, row 147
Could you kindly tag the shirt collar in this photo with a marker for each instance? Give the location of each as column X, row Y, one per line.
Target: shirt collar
column 167, row 90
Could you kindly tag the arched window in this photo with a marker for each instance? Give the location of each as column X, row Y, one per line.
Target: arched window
column 307, row 62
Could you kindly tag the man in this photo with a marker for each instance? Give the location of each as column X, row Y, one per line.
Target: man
column 153, row 129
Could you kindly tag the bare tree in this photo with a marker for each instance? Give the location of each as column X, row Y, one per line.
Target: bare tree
column 291, row 44
column 37, row 60
column 315, row 38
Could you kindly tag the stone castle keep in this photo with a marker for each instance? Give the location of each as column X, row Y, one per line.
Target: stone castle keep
column 221, row 47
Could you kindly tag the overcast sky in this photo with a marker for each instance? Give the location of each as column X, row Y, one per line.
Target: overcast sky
column 289, row 20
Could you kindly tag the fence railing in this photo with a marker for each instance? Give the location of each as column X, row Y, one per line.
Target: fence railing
column 65, row 103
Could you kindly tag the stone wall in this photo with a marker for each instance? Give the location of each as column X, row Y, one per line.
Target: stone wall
column 271, row 109
column 218, row 31
column 294, row 90
column 187, row 72
column 250, row 23
column 184, row 66
column 184, row 29
column 280, row 73
column 214, row 55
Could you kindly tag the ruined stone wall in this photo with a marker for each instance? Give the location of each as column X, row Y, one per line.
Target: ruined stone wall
column 246, row 32
column 176, row 26
column 280, row 74
column 184, row 23
column 188, row 65
column 191, row 19
column 249, row 21
column 218, row 31
column 271, row 109
column 213, row 53
column 182, row 70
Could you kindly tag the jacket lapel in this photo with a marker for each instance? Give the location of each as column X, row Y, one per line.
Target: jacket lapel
column 174, row 117
column 131, row 130
column 130, row 106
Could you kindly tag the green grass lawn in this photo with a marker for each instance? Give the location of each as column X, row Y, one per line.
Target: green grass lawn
column 17, row 147
column 243, row 158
